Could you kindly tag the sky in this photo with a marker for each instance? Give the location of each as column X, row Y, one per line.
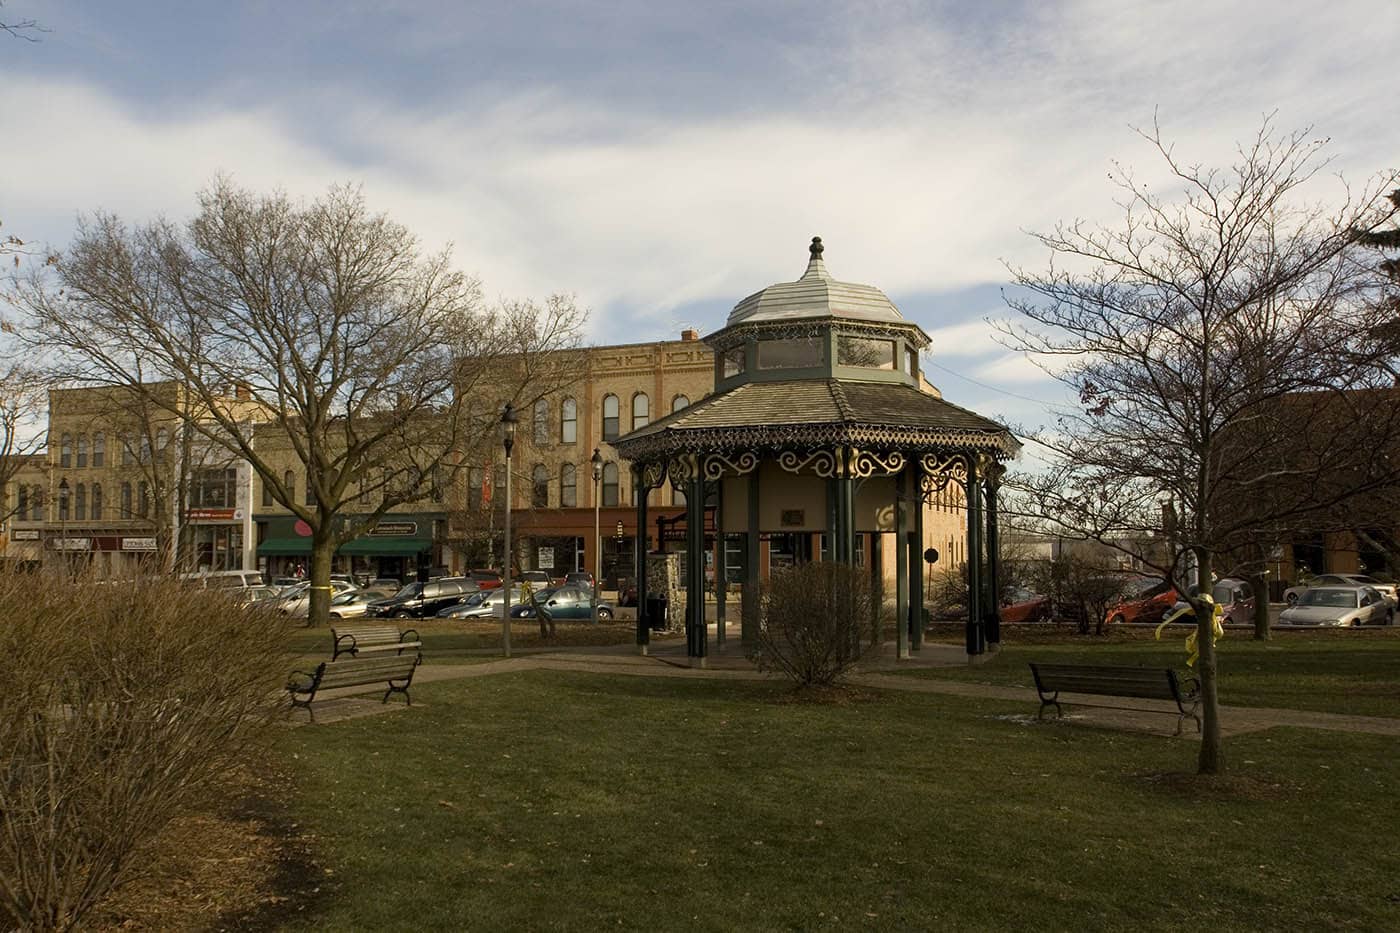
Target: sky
column 661, row 160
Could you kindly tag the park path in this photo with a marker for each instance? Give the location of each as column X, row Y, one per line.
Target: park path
column 669, row 661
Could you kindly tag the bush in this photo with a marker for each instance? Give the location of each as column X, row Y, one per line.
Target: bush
column 124, row 705
column 818, row 623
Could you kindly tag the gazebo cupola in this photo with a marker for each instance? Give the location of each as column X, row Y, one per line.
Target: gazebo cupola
column 816, row 328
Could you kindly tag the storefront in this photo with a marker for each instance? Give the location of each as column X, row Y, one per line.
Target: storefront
column 399, row 548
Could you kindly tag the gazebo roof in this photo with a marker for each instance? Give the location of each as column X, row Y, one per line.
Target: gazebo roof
column 819, row 412
column 816, row 295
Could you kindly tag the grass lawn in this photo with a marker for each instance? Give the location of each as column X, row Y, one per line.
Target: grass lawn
column 550, row 800
column 1337, row 671
column 459, row 641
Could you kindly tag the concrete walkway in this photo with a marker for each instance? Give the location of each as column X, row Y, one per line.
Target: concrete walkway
column 669, row 660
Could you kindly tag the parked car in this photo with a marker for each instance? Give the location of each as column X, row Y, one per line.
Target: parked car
column 1294, row 593
column 579, row 578
column 565, row 603
column 1021, row 605
column 256, row 594
column 1150, row 599
column 392, row 584
column 298, row 602
column 423, row 599
column 224, row 579
column 1235, row 599
column 483, row 604
column 486, row 579
column 352, row 604
column 535, row 578
column 283, row 582
column 1340, row 605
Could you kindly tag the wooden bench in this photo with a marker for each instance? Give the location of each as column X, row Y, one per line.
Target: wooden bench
column 396, row 672
column 1148, row 683
column 357, row 639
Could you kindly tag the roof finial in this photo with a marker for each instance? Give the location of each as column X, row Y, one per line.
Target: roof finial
column 816, row 269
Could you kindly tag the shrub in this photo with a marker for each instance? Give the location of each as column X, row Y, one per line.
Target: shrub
column 818, row 622
column 124, row 705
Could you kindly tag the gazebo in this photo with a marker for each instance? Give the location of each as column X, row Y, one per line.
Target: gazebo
column 821, row 422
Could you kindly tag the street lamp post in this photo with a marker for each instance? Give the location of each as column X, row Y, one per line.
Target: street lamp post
column 508, row 421
column 597, row 462
column 63, row 524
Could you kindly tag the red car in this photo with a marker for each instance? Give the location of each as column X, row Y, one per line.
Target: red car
column 1150, row 601
column 486, row 579
column 1024, row 606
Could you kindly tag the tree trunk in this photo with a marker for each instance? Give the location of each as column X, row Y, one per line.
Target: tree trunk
column 322, row 551
column 1260, row 585
column 1212, row 756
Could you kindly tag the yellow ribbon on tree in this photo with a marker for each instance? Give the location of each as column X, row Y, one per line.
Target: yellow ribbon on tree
column 1217, row 627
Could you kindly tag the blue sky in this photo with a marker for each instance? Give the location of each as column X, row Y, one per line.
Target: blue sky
column 661, row 160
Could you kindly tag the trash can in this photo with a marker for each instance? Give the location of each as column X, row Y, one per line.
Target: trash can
column 657, row 608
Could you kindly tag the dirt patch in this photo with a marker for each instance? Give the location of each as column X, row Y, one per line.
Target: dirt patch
column 837, row 695
column 242, row 865
column 1215, row 786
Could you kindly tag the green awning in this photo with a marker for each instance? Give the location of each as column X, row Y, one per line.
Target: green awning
column 280, row 546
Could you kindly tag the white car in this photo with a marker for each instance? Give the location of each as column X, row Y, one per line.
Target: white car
column 298, row 601
column 1295, row 593
column 1340, row 605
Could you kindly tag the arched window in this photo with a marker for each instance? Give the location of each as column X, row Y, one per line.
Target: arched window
column 568, row 420
column 99, row 449
column 310, row 498
column 128, row 450
column 476, row 476
column 82, row 450
column 568, row 486
column 610, row 484
column 97, row 502
column 80, row 503
column 539, row 486
column 541, row 423
column 65, row 450
column 22, row 506
column 641, row 410
column 162, row 439
column 145, row 447
column 126, row 500
column 36, row 504
column 610, row 418
column 266, row 494
column 63, row 504
column 289, row 482
column 143, row 500
column 679, row 402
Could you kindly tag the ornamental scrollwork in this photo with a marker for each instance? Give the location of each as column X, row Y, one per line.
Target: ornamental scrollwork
column 941, row 469
column 653, row 475
column 865, row 463
column 682, row 470
column 716, row 465
column 821, row 462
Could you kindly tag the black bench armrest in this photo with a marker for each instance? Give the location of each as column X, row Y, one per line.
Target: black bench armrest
column 1190, row 688
column 304, row 681
column 403, row 635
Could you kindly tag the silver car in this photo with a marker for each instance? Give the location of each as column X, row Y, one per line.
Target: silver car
column 298, row 602
column 483, row 604
column 1340, row 605
column 1295, row 593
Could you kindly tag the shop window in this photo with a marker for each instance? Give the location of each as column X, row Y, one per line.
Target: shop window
column 82, row 450
column 214, row 489
column 97, row 502
column 65, row 450
column 80, row 502
column 568, row 413
column 610, row 494
column 99, row 449
column 568, row 486
column 541, row 423
column 610, row 417
column 641, row 410
column 539, row 487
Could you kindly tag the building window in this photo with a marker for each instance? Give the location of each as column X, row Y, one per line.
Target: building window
column 80, row 503
column 36, row 504
column 435, row 483
column 568, row 412
column 65, row 450
column 641, row 410
column 498, row 486
column 162, row 439
column 539, row 487
column 266, row 494
column 791, row 353
column 128, row 450
column 289, row 482
column 97, row 502
column 99, row 449
column 145, row 447
column 22, row 506
column 126, row 500
column 143, row 500
column 865, row 352
column 568, row 486
column 82, row 450
column 476, row 476
column 610, row 418
column 610, row 484
column 310, row 498
column 733, row 362
column 63, row 504
column 679, row 402
column 214, row 489
column 541, row 423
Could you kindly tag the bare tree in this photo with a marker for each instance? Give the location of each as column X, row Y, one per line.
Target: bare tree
column 21, row 28
column 23, row 401
column 378, row 366
column 1206, row 335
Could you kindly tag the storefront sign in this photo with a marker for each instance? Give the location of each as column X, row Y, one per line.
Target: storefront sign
column 25, row 534
column 214, row 515
column 138, row 544
column 546, row 559
column 72, row 544
column 395, row 529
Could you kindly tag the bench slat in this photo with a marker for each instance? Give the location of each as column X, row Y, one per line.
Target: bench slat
column 1094, row 680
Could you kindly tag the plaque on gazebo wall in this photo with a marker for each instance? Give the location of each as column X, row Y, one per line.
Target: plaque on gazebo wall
column 794, row 518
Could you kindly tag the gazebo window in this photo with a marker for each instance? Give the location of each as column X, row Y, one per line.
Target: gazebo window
column 641, row 410
column 610, row 417
column 539, row 487
column 865, row 352
column 568, row 486
column 610, row 484
column 791, row 353
column 568, row 432
column 734, row 362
